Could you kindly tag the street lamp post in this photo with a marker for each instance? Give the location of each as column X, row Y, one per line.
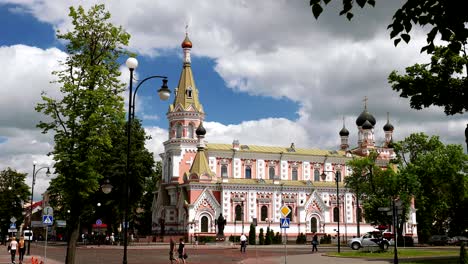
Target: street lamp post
column 32, row 200
column 164, row 94
column 337, row 203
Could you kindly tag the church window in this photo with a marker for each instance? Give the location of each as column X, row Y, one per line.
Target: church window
column 335, row 214
column 264, row 213
column 204, row 224
column 189, row 92
column 316, row 175
column 224, row 171
column 248, row 172
column 338, row 176
column 190, row 130
column 238, row 213
column 271, row 173
column 178, row 131
column 313, row 225
column 294, row 174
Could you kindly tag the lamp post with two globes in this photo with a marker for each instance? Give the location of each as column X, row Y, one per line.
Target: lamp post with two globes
column 164, row 94
column 32, row 199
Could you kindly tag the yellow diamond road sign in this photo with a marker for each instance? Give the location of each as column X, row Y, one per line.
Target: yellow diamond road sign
column 285, row 210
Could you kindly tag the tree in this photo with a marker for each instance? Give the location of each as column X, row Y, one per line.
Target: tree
column 443, row 82
column 87, row 115
column 252, row 235
column 441, row 170
column 13, row 192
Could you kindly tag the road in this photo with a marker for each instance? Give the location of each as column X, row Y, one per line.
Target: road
column 206, row 254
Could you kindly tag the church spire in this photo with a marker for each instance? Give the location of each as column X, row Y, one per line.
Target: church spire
column 186, row 97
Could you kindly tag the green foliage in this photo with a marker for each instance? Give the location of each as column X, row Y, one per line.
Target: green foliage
column 252, row 235
column 13, row 192
column 463, row 259
column 234, row 238
column 301, row 239
column 87, row 115
column 325, row 239
column 441, row 171
column 269, row 237
column 261, row 237
column 443, row 82
column 422, row 82
column 277, row 239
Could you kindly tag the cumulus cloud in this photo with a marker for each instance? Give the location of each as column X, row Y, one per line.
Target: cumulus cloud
column 262, row 48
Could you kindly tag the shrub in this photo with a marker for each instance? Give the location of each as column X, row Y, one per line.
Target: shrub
column 301, row 239
column 261, row 237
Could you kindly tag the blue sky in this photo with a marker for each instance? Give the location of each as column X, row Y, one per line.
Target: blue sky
column 268, row 72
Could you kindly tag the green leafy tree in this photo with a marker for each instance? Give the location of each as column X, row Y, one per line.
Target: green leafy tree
column 252, row 235
column 143, row 213
column 13, row 192
column 441, row 170
column 443, row 82
column 89, row 112
column 269, row 236
column 261, row 237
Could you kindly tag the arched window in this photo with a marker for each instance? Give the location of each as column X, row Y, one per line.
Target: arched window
column 313, row 225
column 204, row 224
column 248, row 172
column 264, row 213
column 189, row 92
column 294, row 174
column 271, row 173
column 316, row 175
column 178, row 131
column 338, row 176
column 335, row 214
column 224, row 173
column 290, row 215
column 190, row 130
column 238, row 212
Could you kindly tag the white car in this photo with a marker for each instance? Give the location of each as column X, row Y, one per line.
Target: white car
column 370, row 239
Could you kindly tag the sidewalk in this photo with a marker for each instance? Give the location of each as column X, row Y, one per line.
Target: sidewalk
column 5, row 258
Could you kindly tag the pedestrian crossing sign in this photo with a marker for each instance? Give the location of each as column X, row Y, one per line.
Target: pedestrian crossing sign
column 284, row 222
column 47, row 219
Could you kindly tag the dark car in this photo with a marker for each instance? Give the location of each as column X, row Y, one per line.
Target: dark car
column 439, row 240
column 457, row 240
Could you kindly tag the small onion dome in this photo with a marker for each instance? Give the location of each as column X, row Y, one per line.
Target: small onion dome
column 388, row 127
column 186, row 43
column 344, row 132
column 200, row 130
column 365, row 116
column 367, row 125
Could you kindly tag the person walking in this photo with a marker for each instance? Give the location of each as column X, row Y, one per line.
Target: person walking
column 243, row 240
column 314, row 243
column 171, row 251
column 21, row 249
column 181, row 251
column 13, row 247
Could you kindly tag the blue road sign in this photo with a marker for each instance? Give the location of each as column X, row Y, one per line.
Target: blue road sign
column 284, row 222
column 47, row 219
column 98, row 222
column 12, row 226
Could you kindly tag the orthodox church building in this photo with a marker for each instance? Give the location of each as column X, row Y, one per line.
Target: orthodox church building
column 251, row 183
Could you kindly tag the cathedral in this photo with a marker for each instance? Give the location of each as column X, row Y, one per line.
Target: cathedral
column 252, row 184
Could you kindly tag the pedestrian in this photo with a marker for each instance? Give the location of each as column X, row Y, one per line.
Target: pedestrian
column 243, row 240
column 21, row 249
column 13, row 246
column 112, row 238
column 314, row 243
column 171, row 251
column 181, row 251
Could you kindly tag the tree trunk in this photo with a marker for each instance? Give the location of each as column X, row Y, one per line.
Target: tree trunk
column 72, row 241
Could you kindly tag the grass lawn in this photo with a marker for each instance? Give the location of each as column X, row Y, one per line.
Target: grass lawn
column 408, row 255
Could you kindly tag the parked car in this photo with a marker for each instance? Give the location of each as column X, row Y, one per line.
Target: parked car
column 370, row 239
column 438, row 240
column 457, row 240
